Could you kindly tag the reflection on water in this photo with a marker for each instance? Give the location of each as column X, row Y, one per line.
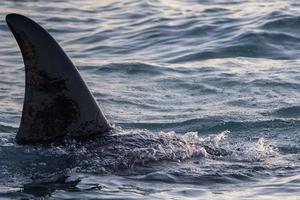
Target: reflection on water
column 204, row 95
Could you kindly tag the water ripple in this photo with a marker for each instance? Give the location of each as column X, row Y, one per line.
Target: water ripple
column 164, row 70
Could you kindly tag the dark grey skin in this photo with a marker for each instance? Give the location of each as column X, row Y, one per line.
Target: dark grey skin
column 57, row 102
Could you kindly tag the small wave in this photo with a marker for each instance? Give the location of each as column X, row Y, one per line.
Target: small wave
column 207, row 125
column 287, row 24
column 7, row 128
column 264, row 44
column 216, row 10
column 131, row 69
column 287, row 112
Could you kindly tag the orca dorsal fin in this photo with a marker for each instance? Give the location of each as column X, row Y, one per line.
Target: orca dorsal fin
column 57, row 102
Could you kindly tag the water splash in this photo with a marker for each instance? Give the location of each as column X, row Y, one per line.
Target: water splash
column 253, row 152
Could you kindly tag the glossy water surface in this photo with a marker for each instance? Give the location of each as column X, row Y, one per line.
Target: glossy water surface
column 173, row 76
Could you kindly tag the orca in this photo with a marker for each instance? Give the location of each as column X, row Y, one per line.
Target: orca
column 57, row 103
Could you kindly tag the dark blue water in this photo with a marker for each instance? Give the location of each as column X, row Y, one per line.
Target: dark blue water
column 174, row 77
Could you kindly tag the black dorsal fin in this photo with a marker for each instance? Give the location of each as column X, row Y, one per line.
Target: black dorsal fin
column 57, row 102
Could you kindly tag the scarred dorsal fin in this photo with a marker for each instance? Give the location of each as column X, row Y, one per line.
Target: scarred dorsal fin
column 57, row 102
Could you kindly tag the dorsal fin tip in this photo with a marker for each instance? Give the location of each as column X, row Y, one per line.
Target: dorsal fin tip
column 57, row 102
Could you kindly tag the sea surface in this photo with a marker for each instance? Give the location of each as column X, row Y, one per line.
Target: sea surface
column 204, row 96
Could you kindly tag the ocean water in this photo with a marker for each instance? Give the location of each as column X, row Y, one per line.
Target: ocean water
column 204, row 96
